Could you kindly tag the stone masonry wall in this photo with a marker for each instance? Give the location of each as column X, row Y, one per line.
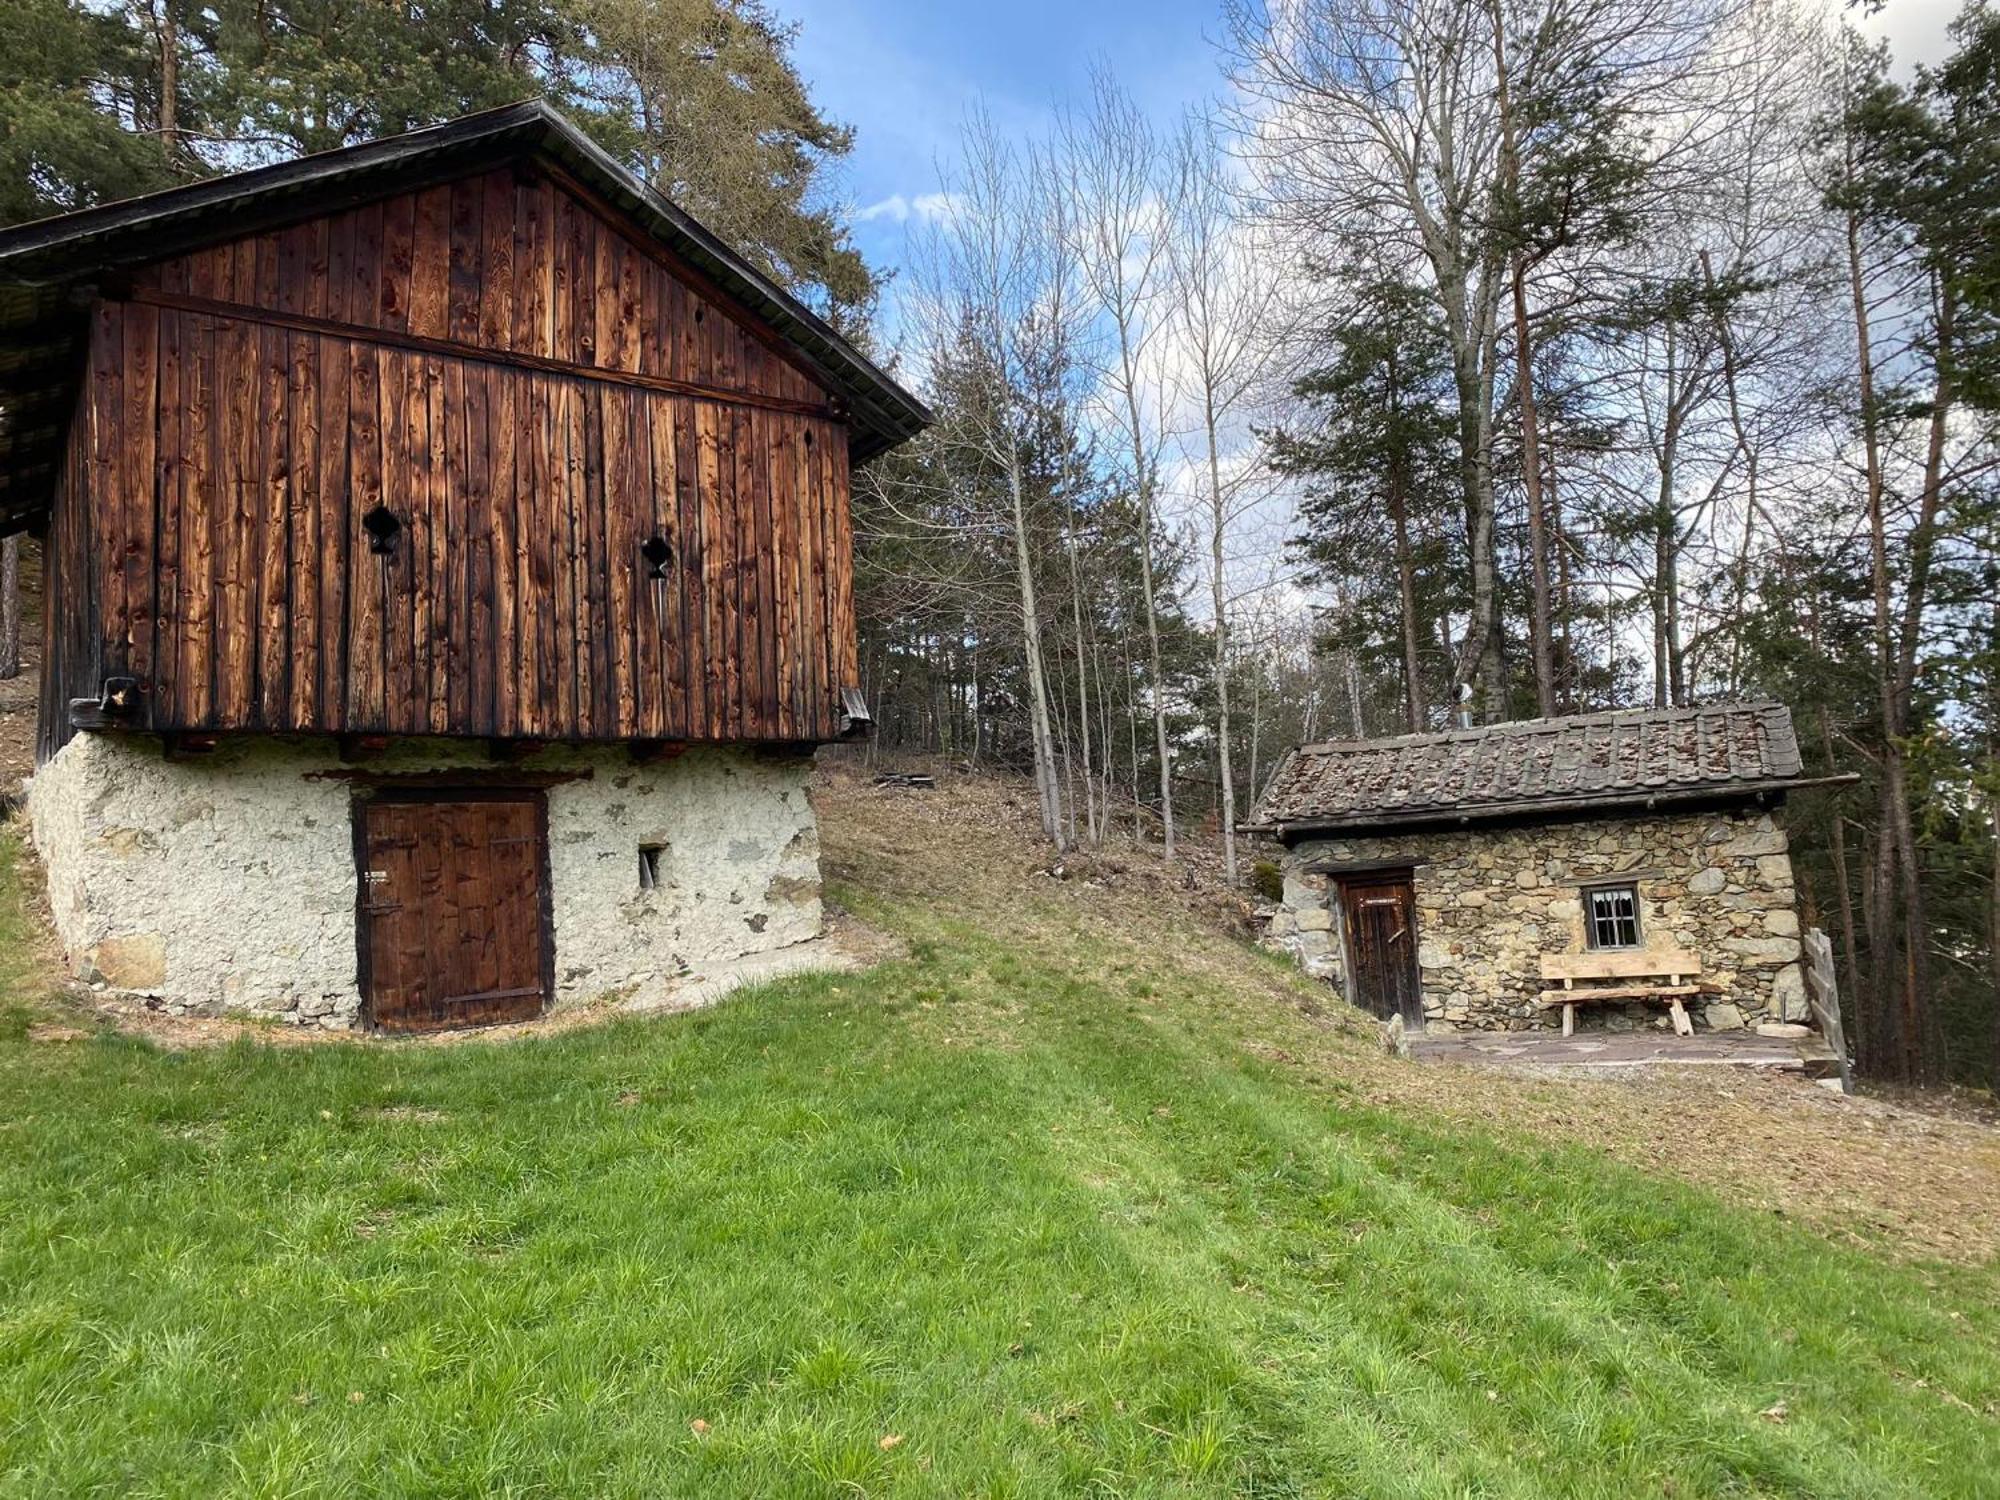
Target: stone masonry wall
column 1490, row 903
column 228, row 882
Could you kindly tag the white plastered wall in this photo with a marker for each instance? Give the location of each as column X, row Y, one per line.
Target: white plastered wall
column 227, row 881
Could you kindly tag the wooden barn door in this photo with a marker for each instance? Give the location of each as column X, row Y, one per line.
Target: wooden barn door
column 454, row 910
column 1380, row 912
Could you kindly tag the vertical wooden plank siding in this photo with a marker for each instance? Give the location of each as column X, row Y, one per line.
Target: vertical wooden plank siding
column 276, row 620
column 193, row 700
column 208, row 536
column 303, row 554
column 846, row 667
column 693, row 592
column 167, row 481
column 508, row 260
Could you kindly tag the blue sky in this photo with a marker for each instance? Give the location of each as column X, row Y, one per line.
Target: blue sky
column 902, row 73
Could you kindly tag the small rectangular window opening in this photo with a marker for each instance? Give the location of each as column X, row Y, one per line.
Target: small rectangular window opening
column 649, row 865
column 1611, row 915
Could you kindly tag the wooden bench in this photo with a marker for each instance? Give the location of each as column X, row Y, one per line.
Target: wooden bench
column 1658, row 974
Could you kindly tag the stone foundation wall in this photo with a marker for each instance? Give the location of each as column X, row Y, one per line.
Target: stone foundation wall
column 227, row 882
column 1490, row 903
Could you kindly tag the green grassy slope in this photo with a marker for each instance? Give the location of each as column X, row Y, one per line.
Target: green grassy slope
column 1017, row 1200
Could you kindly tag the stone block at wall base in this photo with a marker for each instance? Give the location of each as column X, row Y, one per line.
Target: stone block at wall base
column 1788, row 994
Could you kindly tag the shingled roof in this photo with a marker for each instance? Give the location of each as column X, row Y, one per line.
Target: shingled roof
column 1627, row 759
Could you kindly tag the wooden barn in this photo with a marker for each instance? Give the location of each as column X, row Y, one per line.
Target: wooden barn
column 448, row 576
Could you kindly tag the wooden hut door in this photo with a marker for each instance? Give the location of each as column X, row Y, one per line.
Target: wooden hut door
column 454, row 920
column 1380, row 912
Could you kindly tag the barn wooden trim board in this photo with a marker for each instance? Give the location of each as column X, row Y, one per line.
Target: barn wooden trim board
column 459, row 349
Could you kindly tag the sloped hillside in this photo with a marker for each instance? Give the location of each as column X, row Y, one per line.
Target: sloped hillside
column 1913, row 1182
column 1076, row 1195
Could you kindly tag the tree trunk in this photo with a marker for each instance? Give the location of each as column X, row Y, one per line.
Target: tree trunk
column 1132, row 732
column 1897, row 959
column 1415, row 710
column 1257, row 731
column 170, row 83
column 1038, row 693
column 1993, row 895
column 1843, row 894
column 1667, row 686
column 1993, row 942
column 1483, row 652
column 1158, row 693
column 1104, row 738
column 10, row 607
column 1531, row 465
column 1727, row 344
column 1218, row 595
column 1566, row 700
column 1524, row 392
column 1926, row 1029
column 1082, row 664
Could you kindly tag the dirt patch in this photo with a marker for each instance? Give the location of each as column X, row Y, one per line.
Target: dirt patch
column 1913, row 1182
column 980, row 832
column 17, row 733
column 50, row 1032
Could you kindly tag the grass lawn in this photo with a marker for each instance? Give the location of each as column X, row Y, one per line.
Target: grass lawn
column 1015, row 1215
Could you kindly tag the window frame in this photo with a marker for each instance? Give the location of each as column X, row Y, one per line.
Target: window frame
column 1591, row 892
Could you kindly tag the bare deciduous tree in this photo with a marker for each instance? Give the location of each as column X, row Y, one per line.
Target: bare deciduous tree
column 983, row 279
column 1224, row 297
column 1120, row 218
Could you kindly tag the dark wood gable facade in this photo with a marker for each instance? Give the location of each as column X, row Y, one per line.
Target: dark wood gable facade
column 481, row 458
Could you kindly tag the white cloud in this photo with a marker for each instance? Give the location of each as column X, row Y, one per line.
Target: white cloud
column 924, row 207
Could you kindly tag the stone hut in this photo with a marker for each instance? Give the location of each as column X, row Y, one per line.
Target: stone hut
column 1579, row 870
